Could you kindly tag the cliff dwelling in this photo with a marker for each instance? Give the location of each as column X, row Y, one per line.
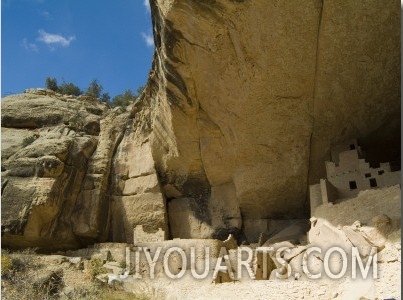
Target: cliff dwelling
column 348, row 173
column 268, row 132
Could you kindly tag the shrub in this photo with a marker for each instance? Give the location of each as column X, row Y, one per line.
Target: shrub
column 6, row 264
column 124, row 99
column 122, row 264
column 69, row 89
column 95, row 267
column 94, row 89
column 105, row 97
column 51, row 84
column 18, row 281
column 28, row 140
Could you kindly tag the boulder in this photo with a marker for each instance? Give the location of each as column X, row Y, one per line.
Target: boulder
column 294, row 233
column 358, row 240
column 324, row 235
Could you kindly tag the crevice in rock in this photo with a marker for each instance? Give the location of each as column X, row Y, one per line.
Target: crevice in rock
column 314, row 91
column 317, row 57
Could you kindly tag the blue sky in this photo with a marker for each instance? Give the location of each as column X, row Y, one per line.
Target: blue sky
column 75, row 40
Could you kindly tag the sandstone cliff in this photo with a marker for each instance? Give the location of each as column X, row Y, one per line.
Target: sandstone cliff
column 242, row 104
column 249, row 97
column 51, row 165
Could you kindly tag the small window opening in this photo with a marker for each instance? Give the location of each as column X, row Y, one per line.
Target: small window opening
column 380, row 172
column 372, row 182
column 375, row 165
column 367, row 175
column 353, row 185
column 352, row 146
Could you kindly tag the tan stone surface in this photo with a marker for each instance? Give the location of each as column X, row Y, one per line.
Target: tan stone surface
column 238, row 114
column 136, row 195
column 357, row 86
column 324, row 235
column 228, row 72
column 243, row 103
column 184, row 222
column 141, row 185
column 224, row 210
column 14, row 139
column 44, row 164
column 146, row 209
column 255, row 95
column 91, row 216
column 364, row 208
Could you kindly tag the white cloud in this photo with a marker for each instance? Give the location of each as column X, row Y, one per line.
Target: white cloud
column 148, row 38
column 146, row 3
column 55, row 39
column 29, row 46
column 46, row 15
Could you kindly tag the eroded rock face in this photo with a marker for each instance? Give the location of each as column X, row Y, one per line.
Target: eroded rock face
column 243, row 102
column 253, row 94
column 75, row 172
column 136, row 197
column 49, row 155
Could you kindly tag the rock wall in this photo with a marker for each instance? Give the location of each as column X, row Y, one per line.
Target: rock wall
column 91, row 215
column 243, row 102
column 47, row 142
column 357, row 87
column 75, row 172
column 250, row 97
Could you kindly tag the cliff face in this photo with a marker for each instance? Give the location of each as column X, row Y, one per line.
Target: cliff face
column 251, row 95
column 243, row 102
column 49, row 150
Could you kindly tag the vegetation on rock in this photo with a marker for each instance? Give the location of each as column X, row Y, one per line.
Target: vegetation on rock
column 94, row 90
column 26, row 275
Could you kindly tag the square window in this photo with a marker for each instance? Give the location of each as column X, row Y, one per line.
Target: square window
column 353, row 185
column 380, row 172
column 352, row 146
column 372, row 182
column 367, row 175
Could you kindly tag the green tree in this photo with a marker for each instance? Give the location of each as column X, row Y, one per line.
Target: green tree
column 105, row 97
column 69, row 89
column 94, row 89
column 123, row 99
column 51, row 84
